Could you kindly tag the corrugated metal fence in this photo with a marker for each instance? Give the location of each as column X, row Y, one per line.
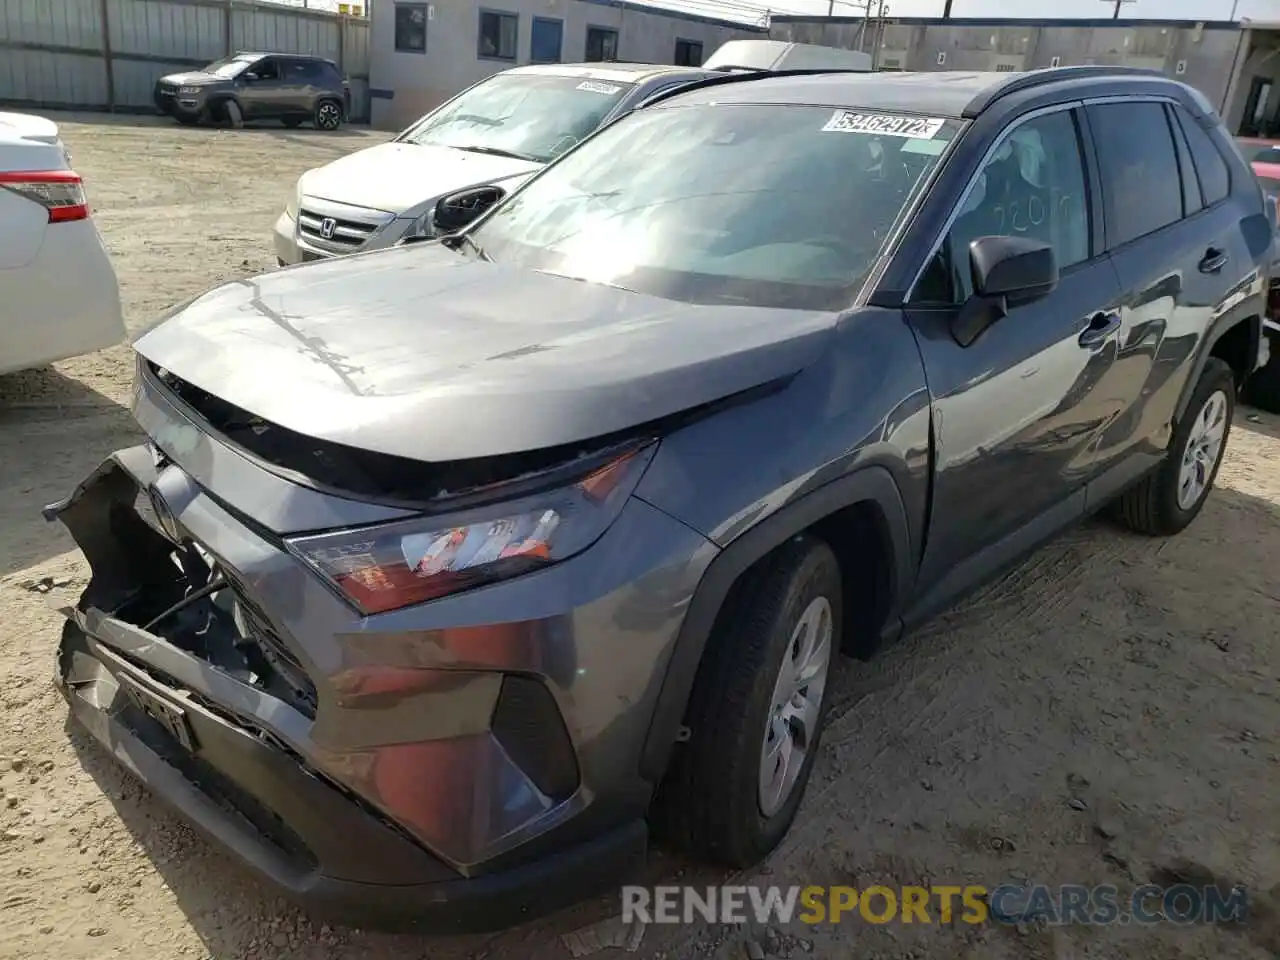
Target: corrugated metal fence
column 107, row 54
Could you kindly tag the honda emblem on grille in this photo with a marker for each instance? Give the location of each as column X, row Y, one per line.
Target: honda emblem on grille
column 327, row 226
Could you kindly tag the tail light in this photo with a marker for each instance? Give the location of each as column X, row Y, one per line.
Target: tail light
column 61, row 192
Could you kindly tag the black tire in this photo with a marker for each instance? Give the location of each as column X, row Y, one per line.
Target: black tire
column 1263, row 389
column 293, row 123
column 1152, row 506
column 709, row 802
column 328, row 115
column 232, row 114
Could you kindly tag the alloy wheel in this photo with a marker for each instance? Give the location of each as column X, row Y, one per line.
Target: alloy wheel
column 792, row 726
column 1203, row 450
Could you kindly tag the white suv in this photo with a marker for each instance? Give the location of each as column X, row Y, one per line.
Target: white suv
column 58, row 293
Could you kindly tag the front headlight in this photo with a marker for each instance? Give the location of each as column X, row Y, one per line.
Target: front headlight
column 188, row 90
column 396, row 565
column 423, row 225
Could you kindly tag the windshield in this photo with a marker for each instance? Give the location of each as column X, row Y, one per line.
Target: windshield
column 229, row 67
column 524, row 115
column 765, row 205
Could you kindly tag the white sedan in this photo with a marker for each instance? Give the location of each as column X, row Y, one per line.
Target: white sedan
column 58, row 293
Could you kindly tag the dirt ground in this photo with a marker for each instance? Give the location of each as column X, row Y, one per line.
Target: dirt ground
column 1108, row 713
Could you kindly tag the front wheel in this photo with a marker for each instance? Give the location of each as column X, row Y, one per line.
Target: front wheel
column 757, row 710
column 233, row 115
column 328, row 115
column 1171, row 497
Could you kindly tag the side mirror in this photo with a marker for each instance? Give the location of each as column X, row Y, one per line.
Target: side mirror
column 1007, row 272
column 457, row 210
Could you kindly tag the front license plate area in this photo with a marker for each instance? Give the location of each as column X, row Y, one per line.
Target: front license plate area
column 169, row 715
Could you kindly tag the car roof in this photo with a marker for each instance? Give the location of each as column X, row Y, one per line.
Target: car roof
column 950, row 94
column 251, row 55
column 608, row 70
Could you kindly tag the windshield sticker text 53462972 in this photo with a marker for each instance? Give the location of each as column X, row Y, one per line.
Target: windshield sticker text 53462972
column 886, row 124
column 595, row 86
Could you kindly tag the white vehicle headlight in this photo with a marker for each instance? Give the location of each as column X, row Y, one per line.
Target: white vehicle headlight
column 422, row 225
column 188, row 89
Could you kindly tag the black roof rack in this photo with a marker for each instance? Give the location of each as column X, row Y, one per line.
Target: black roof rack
column 739, row 75
column 1036, row 78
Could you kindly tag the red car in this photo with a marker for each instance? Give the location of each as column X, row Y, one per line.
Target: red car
column 1263, row 389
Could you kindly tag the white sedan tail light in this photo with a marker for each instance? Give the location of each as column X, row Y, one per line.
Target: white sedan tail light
column 61, row 192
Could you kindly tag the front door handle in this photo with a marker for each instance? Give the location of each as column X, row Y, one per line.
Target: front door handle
column 1213, row 260
column 1101, row 326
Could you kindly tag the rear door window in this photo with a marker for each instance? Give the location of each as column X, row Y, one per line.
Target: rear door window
column 1191, row 199
column 1141, row 186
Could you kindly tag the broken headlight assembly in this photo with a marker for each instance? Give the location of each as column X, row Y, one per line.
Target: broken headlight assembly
column 389, row 566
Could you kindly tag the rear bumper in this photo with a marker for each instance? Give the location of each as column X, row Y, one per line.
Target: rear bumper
column 299, row 832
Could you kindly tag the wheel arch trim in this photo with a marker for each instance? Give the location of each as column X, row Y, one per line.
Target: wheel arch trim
column 1216, row 332
column 872, row 484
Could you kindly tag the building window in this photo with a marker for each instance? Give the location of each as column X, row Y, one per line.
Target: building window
column 602, row 44
column 499, row 33
column 546, row 40
column 411, row 27
column 688, row 53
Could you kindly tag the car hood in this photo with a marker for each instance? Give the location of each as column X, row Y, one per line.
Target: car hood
column 193, row 78
column 396, row 177
column 424, row 353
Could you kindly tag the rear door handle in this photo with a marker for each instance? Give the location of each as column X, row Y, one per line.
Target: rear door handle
column 1101, row 326
column 1213, row 260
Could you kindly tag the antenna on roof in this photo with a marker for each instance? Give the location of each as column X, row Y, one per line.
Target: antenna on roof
column 1115, row 14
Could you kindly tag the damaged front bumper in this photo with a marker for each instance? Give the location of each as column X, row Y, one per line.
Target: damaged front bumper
column 282, row 755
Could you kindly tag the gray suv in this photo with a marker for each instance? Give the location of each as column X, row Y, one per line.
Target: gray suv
column 288, row 87
column 450, row 572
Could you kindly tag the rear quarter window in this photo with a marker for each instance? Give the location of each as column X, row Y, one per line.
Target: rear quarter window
column 1211, row 168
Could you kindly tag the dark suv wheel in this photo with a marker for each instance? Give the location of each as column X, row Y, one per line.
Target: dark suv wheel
column 1169, row 499
column 328, row 115
column 757, row 710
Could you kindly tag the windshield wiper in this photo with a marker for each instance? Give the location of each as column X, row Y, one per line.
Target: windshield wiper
column 499, row 152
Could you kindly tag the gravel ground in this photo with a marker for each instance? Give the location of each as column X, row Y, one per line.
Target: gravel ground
column 1108, row 713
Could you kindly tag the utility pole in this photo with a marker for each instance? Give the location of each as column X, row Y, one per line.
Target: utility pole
column 1115, row 14
column 946, row 10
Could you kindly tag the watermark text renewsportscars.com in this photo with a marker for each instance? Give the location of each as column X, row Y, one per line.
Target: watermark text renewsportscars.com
column 1011, row 904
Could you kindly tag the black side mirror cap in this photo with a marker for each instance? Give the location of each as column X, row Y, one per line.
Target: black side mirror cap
column 1008, row 271
column 460, row 209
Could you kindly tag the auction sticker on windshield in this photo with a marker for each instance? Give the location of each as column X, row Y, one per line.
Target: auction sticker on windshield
column 595, row 86
column 915, row 128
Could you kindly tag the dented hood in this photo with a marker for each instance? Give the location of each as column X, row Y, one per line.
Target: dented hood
column 424, row 353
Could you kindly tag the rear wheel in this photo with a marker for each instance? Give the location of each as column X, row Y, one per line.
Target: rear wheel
column 328, row 115
column 1169, row 499
column 757, row 710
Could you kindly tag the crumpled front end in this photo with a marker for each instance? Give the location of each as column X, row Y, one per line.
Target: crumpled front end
column 392, row 771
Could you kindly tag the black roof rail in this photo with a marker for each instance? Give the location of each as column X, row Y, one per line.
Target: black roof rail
column 1046, row 75
column 737, row 75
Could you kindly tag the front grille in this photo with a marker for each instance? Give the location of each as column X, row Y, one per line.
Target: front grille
column 341, row 235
